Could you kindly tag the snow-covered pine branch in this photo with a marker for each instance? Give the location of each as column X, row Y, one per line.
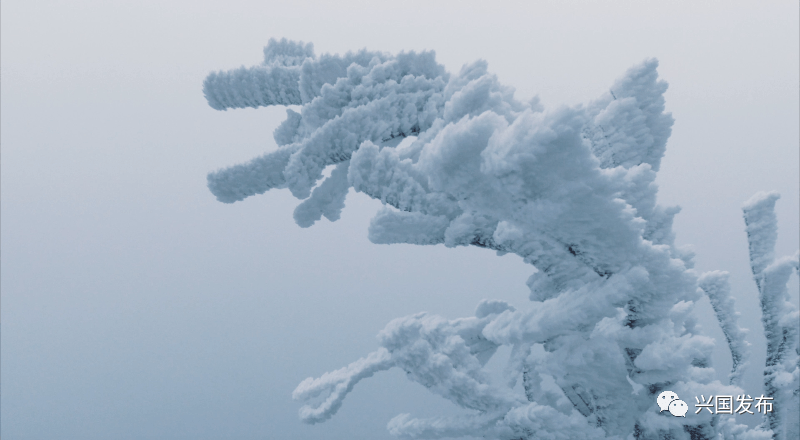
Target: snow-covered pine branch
column 780, row 317
column 571, row 191
column 715, row 285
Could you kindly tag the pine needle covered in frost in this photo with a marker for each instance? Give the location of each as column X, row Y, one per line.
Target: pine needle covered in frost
column 570, row 190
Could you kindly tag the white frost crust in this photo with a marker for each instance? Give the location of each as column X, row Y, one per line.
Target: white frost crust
column 447, row 357
column 383, row 175
column 390, row 226
column 779, row 316
column 729, row 430
column 287, row 53
column 629, row 126
column 257, row 176
column 334, row 386
column 544, row 422
column 327, row 199
column 572, row 191
column 527, row 421
column 273, row 83
column 444, row 356
column 715, row 284
column 253, row 87
column 762, row 229
column 781, row 321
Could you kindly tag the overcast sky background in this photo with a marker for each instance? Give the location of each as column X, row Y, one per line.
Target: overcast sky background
column 136, row 306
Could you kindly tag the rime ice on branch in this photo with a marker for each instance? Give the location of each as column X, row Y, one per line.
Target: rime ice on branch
column 715, row 285
column 571, row 191
column 780, row 317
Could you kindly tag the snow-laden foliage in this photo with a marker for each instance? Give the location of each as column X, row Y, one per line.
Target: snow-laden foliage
column 715, row 285
column 610, row 320
column 779, row 316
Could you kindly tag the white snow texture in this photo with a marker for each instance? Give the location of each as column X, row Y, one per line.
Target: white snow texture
column 779, row 316
column 571, row 190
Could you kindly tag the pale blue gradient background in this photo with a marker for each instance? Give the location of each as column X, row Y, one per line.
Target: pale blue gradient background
column 135, row 306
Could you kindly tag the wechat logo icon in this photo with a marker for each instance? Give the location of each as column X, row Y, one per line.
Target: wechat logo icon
column 669, row 401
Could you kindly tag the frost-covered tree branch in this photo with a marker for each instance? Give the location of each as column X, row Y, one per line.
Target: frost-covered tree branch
column 715, row 285
column 571, row 191
column 780, row 317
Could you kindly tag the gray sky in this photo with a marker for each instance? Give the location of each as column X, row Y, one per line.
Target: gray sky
column 135, row 306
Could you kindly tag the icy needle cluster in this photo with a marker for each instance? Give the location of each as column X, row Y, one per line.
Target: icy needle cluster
column 570, row 190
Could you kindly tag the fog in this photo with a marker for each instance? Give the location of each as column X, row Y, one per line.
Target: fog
column 135, row 305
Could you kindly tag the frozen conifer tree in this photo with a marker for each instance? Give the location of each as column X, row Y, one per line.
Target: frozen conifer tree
column 610, row 322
